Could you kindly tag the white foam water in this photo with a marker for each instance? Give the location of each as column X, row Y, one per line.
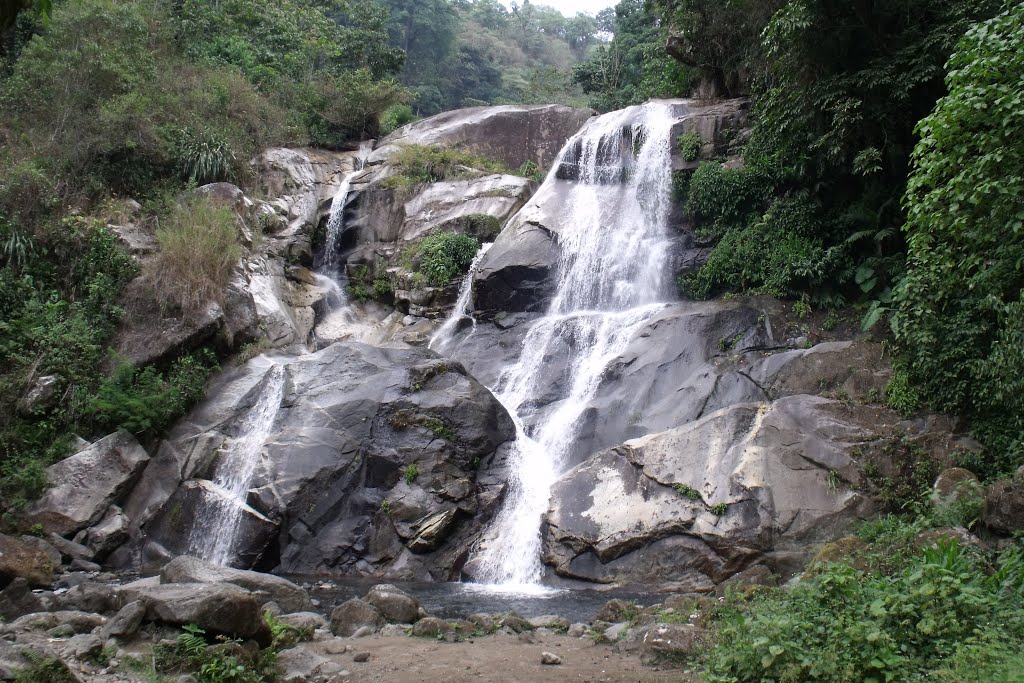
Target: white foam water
column 611, row 280
column 215, row 533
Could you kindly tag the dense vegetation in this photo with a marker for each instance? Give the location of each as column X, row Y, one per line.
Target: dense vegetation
column 822, row 210
column 101, row 100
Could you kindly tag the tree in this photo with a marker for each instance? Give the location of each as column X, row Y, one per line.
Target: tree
column 960, row 319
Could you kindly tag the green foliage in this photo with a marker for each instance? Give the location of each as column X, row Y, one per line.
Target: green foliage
column 410, row 472
column 900, row 395
column 960, row 313
column 199, row 251
column 688, row 492
column 634, row 67
column 395, row 117
column 720, row 40
column 444, row 256
column 689, row 145
column 416, row 165
column 719, row 509
column 845, row 624
column 147, row 401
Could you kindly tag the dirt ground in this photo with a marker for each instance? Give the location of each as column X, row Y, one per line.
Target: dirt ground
column 496, row 659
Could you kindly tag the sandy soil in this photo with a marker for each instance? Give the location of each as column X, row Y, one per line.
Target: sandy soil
column 495, row 659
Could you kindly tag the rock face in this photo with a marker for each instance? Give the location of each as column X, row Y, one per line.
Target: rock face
column 512, row 134
column 376, row 465
column 647, row 511
column 85, row 485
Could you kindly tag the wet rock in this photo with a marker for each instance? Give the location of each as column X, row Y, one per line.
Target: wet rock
column 430, row 627
column 21, row 559
column 354, row 614
column 85, row 485
column 395, row 605
column 290, row 597
column 550, row 659
column 217, row 608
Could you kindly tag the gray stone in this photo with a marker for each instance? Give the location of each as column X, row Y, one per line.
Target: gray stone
column 550, row 621
column 550, row 659
column 514, row 622
column 39, row 397
column 85, row 485
column 17, row 600
column 395, row 605
column 21, row 559
column 217, row 608
column 1004, row 506
column 513, row 134
column 616, row 610
column 74, row 621
column 83, row 647
column 577, row 631
column 744, row 581
column 69, row 550
column 364, row 632
column 354, row 417
column 616, row 631
column 657, row 643
column 290, row 597
column 956, row 484
column 126, row 622
column 620, row 517
column 352, row 615
column 304, row 621
column 483, row 622
column 430, row 627
column 91, row 597
column 108, row 534
column 361, row 657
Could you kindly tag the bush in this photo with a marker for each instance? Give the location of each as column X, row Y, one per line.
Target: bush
column 443, row 256
column 199, row 250
column 960, row 317
column 394, row 117
column 689, row 146
column 843, row 624
column 417, row 165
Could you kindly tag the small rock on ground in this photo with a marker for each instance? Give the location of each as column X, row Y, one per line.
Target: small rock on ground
column 550, row 659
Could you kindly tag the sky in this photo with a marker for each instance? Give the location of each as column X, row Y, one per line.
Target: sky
column 570, row 7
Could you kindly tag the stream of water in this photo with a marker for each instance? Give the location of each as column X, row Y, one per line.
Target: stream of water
column 611, row 280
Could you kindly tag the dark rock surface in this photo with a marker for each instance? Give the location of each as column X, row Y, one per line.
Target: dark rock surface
column 376, row 466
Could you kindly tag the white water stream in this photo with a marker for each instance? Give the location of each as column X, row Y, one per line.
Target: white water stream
column 611, row 276
column 216, row 530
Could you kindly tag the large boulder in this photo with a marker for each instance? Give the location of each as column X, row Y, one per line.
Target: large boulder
column 217, row 608
column 512, row 134
column 353, row 615
column 287, row 595
column 373, row 464
column 395, row 605
column 85, row 485
column 697, row 503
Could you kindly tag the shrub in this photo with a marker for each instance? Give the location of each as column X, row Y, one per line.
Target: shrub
column 960, row 310
column 689, row 146
column 394, row 117
column 198, row 252
column 843, row 624
column 416, row 165
column 410, row 472
column 443, row 256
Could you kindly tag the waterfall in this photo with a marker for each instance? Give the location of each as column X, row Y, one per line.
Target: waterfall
column 336, row 219
column 214, row 535
column 611, row 276
column 442, row 339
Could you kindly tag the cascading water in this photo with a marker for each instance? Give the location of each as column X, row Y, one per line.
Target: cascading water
column 442, row 339
column 613, row 239
column 336, row 219
column 214, row 536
